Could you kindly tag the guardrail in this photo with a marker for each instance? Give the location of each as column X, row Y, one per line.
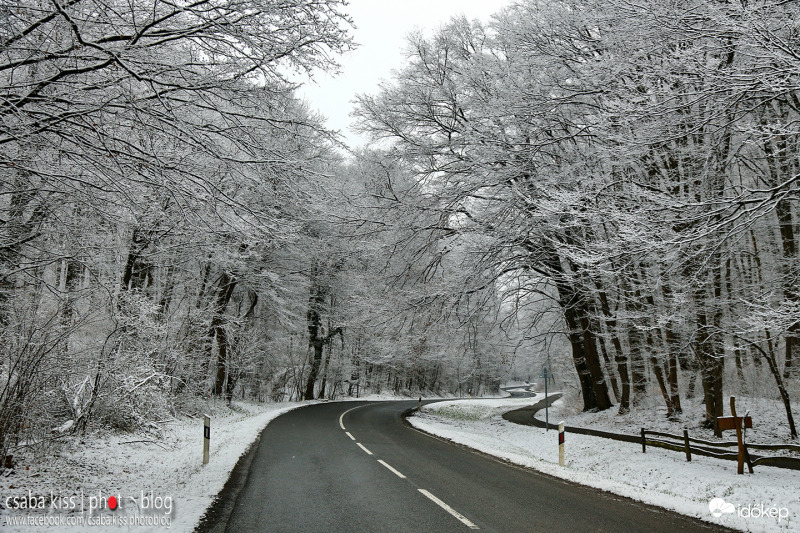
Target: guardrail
column 693, row 446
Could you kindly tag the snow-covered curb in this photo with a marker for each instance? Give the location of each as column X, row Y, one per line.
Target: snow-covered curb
column 659, row 477
column 170, row 468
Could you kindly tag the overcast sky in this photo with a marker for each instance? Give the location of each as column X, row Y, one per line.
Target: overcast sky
column 381, row 27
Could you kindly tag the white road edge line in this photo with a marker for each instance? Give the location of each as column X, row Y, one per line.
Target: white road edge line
column 390, row 467
column 461, row 518
column 349, row 435
column 363, row 448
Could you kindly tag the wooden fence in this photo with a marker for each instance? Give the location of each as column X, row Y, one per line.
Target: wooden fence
column 692, row 446
column 679, row 443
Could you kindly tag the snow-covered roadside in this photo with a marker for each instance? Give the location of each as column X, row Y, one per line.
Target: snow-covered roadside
column 160, row 474
column 769, row 419
column 659, row 477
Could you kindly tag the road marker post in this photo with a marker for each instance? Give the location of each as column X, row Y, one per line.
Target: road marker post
column 206, row 437
column 561, row 443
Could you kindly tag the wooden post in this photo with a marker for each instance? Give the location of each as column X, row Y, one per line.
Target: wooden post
column 206, row 437
column 744, row 442
column 644, row 443
column 686, row 446
column 561, row 443
column 726, row 423
column 737, row 423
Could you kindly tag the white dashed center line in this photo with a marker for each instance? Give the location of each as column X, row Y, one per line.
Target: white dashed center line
column 461, row 518
column 390, row 467
column 363, row 448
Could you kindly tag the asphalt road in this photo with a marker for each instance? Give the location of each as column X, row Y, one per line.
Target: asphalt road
column 357, row 467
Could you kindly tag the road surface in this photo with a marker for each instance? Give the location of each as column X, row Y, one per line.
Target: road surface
column 357, row 467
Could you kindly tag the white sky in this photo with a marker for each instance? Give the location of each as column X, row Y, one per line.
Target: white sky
column 381, row 28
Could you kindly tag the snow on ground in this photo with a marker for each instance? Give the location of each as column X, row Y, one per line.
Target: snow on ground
column 477, row 409
column 659, row 477
column 166, row 475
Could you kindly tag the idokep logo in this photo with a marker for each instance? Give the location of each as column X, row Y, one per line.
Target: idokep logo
column 718, row 507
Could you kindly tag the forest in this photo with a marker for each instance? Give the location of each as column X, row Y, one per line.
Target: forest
column 609, row 184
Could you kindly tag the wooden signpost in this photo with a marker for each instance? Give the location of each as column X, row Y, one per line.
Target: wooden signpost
column 739, row 423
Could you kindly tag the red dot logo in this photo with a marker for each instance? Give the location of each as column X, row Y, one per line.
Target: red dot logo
column 112, row 502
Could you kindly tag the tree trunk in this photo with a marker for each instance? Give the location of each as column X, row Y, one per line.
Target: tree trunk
column 326, row 366
column 737, row 352
column 316, row 339
column 609, row 368
column 711, row 364
column 138, row 272
column 619, row 354
column 584, row 349
column 593, row 362
column 70, row 271
column 787, row 404
column 225, row 286
column 232, row 378
column 19, row 228
column 779, row 159
column 638, row 370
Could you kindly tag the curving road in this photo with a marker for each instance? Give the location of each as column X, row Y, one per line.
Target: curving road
column 357, row 467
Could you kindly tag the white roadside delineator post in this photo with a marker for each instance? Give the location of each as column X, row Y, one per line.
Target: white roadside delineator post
column 561, row 443
column 206, row 437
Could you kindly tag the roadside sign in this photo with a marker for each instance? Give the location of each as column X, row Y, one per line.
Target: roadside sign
column 726, row 423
